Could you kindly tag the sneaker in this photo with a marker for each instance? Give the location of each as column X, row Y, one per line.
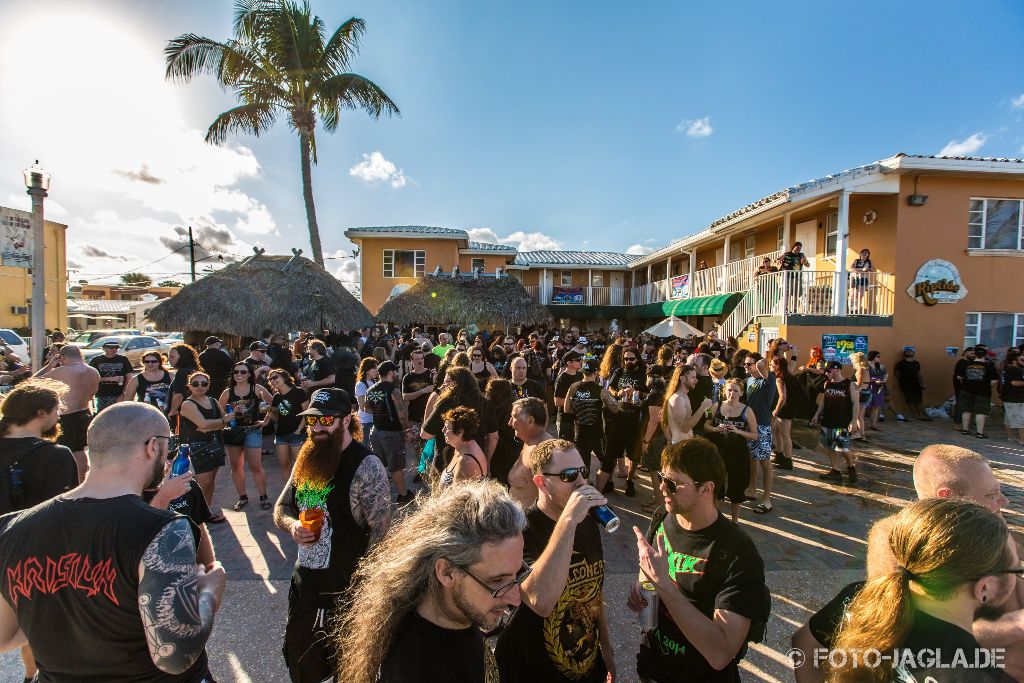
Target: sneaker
column 609, row 487
column 881, row 418
column 834, row 476
column 900, row 418
column 630, row 488
column 851, row 475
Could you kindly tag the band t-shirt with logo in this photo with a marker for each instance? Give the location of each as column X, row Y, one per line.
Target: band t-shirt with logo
column 837, row 406
column 381, row 406
column 978, row 376
column 118, row 366
column 411, row 383
column 527, row 389
column 587, row 404
column 288, row 407
column 717, row 567
column 939, row 644
column 564, row 646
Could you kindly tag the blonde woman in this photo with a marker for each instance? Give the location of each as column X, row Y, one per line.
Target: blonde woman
column 733, row 426
column 862, row 380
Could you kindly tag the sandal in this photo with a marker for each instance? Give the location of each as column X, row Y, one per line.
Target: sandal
column 265, row 503
column 217, row 519
column 762, row 509
column 242, row 502
column 981, row 435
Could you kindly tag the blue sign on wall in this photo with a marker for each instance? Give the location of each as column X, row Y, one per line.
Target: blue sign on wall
column 840, row 346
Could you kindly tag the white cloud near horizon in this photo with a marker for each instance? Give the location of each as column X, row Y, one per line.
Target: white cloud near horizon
column 520, row 239
column 639, row 250
column 696, row 128
column 965, row 147
column 374, row 167
column 1017, row 102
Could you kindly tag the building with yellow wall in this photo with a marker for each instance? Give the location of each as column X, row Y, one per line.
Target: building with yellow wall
column 16, row 270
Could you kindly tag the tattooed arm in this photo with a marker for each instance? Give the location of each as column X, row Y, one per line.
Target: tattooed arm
column 370, row 497
column 177, row 599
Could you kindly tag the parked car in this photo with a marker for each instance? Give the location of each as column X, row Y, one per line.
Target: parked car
column 86, row 338
column 132, row 346
column 16, row 344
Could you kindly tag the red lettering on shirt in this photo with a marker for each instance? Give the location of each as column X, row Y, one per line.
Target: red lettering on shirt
column 47, row 576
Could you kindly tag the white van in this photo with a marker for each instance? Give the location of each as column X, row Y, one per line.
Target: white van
column 17, row 344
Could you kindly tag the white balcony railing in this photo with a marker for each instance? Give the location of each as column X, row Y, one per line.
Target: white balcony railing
column 585, row 296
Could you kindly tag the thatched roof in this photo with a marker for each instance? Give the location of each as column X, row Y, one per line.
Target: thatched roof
column 268, row 292
column 485, row 300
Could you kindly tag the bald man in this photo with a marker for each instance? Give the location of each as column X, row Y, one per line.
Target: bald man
column 940, row 471
column 83, row 381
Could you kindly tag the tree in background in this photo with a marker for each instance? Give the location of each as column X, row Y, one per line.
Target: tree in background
column 136, row 280
column 280, row 63
column 169, row 283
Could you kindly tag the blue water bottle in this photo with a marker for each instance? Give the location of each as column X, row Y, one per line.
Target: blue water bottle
column 181, row 461
column 229, row 410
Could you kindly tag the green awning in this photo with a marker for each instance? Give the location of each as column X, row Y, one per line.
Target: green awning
column 702, row 305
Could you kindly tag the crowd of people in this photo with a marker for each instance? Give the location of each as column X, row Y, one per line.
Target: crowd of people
column 444, row 491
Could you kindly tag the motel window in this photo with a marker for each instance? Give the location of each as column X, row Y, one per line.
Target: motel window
column 597, row 280
column 404, row 263
column 995, row 224
column 780, row 237
column 748, row 247
column 995, row 330
column 831, row 235
column 566, row 278
column 477, row 263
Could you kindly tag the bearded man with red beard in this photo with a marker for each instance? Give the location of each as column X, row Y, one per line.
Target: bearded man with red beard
column 336, row 505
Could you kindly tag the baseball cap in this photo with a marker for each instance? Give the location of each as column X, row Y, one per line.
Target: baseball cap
column 834, row 365
column 582, row 340
column 111, row 344
column 572, row 356
column 257, row 346
column 386, row 367
column 212, row 340
column 980, row 349
column 591, row 364
column 330, row 401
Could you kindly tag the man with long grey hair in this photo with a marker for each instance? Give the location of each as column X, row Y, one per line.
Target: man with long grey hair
column 422, row 597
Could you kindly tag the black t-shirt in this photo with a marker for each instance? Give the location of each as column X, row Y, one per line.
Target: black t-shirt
column 381, row 405
column 908, row 374
column 977, row 377
column 44, row 468
column 585, row 400
column 192, row 505
column 179, row 385
column 824, row 624
column 1012, row 394
column 837, row 405
column 717, row 567
column 321, row 369
column 564, row 381
column 528, row 389
column 943, row 643
column 623, row 378
column 564, row 645
column 484, row 411
column 218, row 364
column 118, row 366
column 704, row 389
column 288, row 406
column 422, row 652
column 411, row 383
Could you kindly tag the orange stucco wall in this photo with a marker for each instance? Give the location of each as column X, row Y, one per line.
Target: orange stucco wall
column 491, row 262
column 375, row 287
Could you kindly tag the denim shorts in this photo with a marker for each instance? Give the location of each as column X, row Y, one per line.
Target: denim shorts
column 290, row 439
column 253, row 439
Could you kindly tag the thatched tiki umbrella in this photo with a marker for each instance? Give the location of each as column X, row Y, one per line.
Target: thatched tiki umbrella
column 483, row 299
column 280, row 293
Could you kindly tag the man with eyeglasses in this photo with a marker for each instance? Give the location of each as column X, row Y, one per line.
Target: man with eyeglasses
column 628, row 384
column 571, row 363
column 563, row 595
column 336, row 505
column 707, row 573
column 113, row 560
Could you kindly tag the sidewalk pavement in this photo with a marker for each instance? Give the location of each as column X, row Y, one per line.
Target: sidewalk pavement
column 812, row 543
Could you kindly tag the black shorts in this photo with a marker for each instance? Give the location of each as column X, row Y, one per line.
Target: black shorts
column 624, row 436
column 590, row 443
column 309, row 651
column 74, row 427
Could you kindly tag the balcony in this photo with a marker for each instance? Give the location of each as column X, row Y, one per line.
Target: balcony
column 580, row 296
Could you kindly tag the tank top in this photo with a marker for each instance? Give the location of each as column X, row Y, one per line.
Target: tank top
column 837, row 406
column 381, row 406
column 247, row 412
column 739, row 422
column 448, row 476
column 72, row 575
column 482, row 377
column 153, row 392
column 188, row 432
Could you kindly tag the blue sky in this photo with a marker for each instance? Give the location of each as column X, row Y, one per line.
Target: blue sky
column 598, row 125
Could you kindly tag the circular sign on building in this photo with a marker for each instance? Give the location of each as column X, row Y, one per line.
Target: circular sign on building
column 937, row 282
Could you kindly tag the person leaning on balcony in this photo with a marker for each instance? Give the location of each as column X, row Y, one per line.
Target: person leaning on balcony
column 765, row 267
column 859, row 281
column 794, row 259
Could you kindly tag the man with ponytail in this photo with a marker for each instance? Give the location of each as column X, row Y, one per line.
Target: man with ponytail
column 955, row 563
column 422, row 598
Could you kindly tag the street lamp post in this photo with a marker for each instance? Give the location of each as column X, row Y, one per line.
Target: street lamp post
column 37, row 182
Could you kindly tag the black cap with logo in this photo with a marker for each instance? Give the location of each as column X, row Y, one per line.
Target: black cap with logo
column 331, row 401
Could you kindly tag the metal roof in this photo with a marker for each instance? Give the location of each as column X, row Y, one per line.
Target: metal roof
column 100, row 306
column 409, row 230
column 597, row 259
column 488, row 246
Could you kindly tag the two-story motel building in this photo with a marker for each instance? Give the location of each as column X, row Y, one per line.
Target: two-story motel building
column 946, row 237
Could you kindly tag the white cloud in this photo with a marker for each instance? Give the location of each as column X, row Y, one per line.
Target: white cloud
column 1017, row 102
column 696, row 128
column 257, row 219
column 374, row 167
column 639, row 250
column 520, row 239
column 962, row 148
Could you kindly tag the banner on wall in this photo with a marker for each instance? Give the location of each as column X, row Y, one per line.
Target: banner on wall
column 937, row 282
column 840, row 346
column 681, row 287
column 16, row 238
column 567, row 295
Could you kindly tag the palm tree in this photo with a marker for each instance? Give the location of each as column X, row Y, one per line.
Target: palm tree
column 279, row 62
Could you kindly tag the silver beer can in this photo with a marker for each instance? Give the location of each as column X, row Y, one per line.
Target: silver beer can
column 649, row 614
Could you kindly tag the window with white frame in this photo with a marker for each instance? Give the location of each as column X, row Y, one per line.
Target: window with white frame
column 994, row 330
column 566, row 278
column 831, row 234
column 477, row 263
column 404, row 263
column 780, row 237
column 597, row 279
column 995, row 224
column 748, row 247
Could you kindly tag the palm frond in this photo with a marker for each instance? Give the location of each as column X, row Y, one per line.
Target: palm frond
column 253, row 92
column 342, row 46
column 245, row 63
column 252, row 18
column 248, row 118
column 352, row 91
column 189, row 55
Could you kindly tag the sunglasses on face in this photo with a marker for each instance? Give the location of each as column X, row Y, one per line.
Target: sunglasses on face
column 239, row 372
column 629, row 360
column 671, row 484
column 199, row 384
column 477, row 355
column 745, row 363
column 324, row 420
column 524, row 571
column 569, row 475
column 151, row 362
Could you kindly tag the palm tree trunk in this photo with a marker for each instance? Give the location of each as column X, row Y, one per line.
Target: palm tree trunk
column 307, row 195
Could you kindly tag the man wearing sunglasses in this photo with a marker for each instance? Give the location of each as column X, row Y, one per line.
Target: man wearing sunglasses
column 563, row 595
column 628, row 384
column 708, row 575
column 571, row 363
column 587, row 402
column 336, row 504
column 112, row 560
column 114, row 369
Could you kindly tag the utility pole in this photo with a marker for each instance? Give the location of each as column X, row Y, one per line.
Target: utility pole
column 192, row 253
column 37, row 182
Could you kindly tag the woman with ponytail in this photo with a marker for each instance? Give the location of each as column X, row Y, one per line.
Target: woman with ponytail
column 955, row 563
